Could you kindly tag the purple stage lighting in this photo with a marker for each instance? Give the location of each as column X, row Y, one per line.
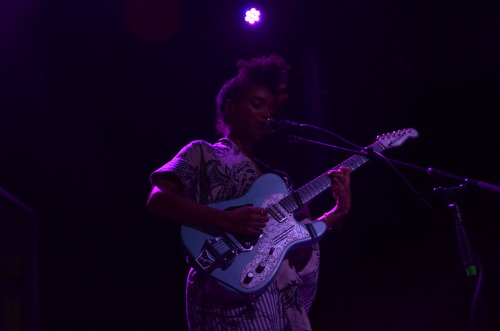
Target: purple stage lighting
column 252, row 16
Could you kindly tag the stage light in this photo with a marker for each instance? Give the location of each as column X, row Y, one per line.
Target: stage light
column 252, row 16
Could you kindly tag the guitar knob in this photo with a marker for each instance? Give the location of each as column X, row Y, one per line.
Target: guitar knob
column 261, row 267
column 248, row 278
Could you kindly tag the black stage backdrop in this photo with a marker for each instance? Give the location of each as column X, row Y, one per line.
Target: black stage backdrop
column 94, row 95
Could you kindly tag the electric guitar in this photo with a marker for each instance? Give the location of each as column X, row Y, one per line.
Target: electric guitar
column 245, row 267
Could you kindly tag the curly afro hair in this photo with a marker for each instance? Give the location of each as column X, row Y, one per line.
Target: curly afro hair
column 270, row 71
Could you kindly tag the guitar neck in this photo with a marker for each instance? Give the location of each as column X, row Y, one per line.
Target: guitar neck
column 321, row 183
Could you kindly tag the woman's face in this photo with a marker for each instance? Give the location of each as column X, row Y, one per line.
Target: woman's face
column 248, row 112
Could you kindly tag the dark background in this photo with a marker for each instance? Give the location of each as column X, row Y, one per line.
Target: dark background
column 95, row 95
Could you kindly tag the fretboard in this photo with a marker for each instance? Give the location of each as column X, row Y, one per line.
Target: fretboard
column 318, row 185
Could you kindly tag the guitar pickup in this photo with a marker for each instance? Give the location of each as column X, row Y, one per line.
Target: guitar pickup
column 276, row 213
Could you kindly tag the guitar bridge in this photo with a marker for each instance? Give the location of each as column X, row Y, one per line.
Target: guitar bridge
column 219, row 252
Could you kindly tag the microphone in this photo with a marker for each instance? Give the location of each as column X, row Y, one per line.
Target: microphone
column 284, row 126
column 278, row 126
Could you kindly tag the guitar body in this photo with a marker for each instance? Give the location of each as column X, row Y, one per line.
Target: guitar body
column 247, row 268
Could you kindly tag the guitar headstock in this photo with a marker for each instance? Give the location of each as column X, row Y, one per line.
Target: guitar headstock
column 397, row 138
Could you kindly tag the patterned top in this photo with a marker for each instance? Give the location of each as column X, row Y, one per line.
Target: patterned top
column 218, row 172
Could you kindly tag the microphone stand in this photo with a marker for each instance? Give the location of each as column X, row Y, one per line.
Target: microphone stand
column 470, row 261
column 432, row 172
column 469, row 182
